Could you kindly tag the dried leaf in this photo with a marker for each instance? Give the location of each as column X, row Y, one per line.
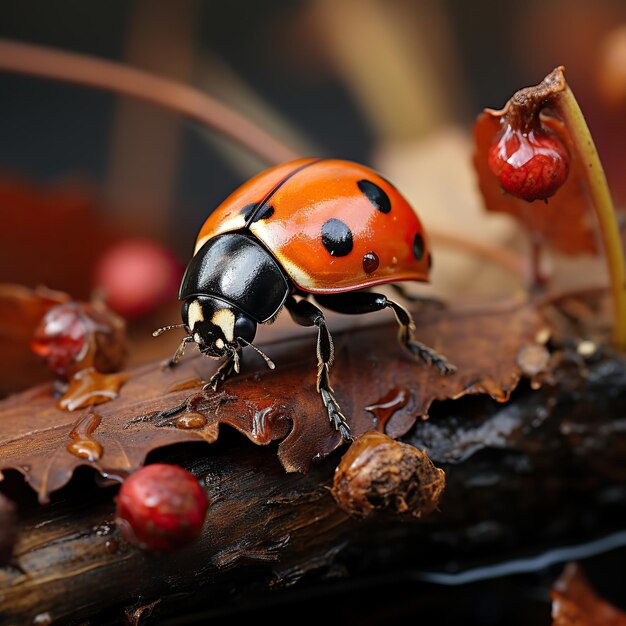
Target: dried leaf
column 564, row 221
column 21, row 310
column 575, row 603
column 156, row 408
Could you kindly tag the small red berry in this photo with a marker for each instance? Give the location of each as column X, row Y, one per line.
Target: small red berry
column 75, row 335
column 61, row 338
column 137, row 276
column 161, row 507
column 530, row 164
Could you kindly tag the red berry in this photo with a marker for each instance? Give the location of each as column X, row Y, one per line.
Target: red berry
column 75, row 335
column 530, row 165
column 161, row 507
column 61, row 338
column 137, row 276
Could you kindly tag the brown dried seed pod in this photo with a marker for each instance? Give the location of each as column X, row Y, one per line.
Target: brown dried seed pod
column 379, row 474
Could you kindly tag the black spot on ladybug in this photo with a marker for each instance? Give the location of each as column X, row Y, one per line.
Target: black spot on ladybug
column 418, row 246
column 252, row 214
column 337, row 237
column 370, row 262
column 375, row 195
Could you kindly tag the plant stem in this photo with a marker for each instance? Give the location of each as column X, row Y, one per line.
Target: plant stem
column 508, row 260
column 603, row 205
column 92, row 72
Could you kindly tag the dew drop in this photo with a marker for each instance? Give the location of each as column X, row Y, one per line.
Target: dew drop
column 384, row 409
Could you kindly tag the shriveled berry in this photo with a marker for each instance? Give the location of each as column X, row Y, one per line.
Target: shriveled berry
column 531, row 164
column 379, row 474
column 161, row 507
column 75, row 335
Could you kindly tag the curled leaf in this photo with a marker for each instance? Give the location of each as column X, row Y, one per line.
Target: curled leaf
column 575, row 603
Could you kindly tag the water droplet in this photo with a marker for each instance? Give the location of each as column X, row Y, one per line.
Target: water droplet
column 191, row 420
column 83, row 445
column 261, row 424
column 186, row 384
column 586, row 348
column 383, row 409
column 103, row 530
column 89, row 387
column 43, row 619
column 111, row 546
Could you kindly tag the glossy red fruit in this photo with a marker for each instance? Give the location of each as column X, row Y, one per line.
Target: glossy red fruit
column 530, row 164
column 77, row 335
column 137, row 276
column 61, row 338
column 161, row 507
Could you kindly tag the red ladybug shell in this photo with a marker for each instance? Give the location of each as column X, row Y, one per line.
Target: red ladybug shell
column 334, row 226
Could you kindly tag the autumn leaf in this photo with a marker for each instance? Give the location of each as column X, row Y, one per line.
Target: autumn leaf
column 575, row 603
column 157, row 408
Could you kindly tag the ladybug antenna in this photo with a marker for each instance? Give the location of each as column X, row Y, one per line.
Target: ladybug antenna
column 159, row 331
column 267, row 360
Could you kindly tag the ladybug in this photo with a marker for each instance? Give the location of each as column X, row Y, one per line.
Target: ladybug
column 320, row 228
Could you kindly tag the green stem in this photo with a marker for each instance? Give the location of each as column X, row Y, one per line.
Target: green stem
column 603, row 206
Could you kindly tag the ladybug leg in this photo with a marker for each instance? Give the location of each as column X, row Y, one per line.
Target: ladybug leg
column 305, row 313
column 357, row 302
column 230, row 365
column 171, row 362
column 416, row 348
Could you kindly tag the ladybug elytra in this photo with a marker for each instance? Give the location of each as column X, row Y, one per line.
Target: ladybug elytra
column 320, row 228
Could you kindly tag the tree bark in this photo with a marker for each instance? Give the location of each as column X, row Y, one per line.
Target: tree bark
column 544, row 469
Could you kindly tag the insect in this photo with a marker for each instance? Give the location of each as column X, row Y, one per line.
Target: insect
column 313, row 228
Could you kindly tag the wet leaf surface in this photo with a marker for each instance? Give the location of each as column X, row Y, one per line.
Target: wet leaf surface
column 575, row 603
column 564, row 221
column 156, row 408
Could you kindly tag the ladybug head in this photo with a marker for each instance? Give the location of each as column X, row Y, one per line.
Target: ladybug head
column 219, row 328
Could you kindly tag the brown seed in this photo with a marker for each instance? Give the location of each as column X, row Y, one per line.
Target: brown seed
column 379, row 474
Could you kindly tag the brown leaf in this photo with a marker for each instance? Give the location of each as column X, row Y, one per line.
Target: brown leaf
column 575, row 603
column 21, row 310
column 156, row 408
column 564, row 221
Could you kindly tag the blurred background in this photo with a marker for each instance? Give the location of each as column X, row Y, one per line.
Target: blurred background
column 392, row 83
column 103, row 193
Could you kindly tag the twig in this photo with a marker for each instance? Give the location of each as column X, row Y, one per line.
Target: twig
column 91, row 72
column 603, row 206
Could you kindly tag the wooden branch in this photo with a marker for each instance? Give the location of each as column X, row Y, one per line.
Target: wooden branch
column 511, row 468
column 537, row 469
